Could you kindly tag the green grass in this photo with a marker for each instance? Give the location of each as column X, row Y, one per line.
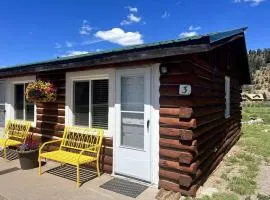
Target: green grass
column 221, row 196
column 254, row 146
column 257, row 110
column 256, row 140
column 243, row 183
column 242, row 167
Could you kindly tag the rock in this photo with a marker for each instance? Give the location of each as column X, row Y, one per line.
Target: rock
column 253, row 197
column 263, row 197
column 167, row 195
column 207, row 191
column 254, row 121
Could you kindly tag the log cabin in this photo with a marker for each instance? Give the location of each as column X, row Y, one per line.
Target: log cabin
column 170, row 110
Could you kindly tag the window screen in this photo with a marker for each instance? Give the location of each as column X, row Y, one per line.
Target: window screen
column 81, row 103
column 227, row 97
column 19, row 101
column 24, row 110
column 100, row 94
column 92, row 104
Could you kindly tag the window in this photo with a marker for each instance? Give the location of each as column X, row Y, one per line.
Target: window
column 24, row 110
column 227, row 97
column 90, row 103
column 81, row 103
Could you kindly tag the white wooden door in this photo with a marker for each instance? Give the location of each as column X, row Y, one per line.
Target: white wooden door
column 132, row 150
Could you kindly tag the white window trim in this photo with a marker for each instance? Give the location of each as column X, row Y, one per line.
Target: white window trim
column 89, row 75
column 11, row 82
column 4, row 81
column 227, row 97
column 155, row 107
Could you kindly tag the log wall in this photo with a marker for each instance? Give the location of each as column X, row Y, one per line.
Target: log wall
column 194, row 134
column 51, row 118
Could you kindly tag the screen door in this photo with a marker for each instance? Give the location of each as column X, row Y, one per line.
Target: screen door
column 132, row 151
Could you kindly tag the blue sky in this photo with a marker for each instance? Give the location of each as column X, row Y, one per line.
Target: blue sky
column 38, row 30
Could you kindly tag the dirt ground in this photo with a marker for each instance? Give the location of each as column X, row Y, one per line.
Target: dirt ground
column 215, row 182
column 264, row 180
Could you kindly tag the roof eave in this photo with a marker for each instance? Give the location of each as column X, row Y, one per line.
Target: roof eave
column 106, row 60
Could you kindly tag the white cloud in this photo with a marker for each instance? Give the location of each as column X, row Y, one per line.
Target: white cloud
column 188, row 34
column 74, row 53
column 58, row 46
column 252, row 3
column 91, row 41
column 125, row 22
column 192, row 31
column 69, row 44
column 119, row 36
column 134, row 18
column 99, row 50
column 194, row 28
column 85, row 28
column 165, row 15
column 132, row 9
column 131, row 18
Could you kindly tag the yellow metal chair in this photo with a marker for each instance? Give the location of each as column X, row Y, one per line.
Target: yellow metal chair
column 78, row 146
column 15, row 133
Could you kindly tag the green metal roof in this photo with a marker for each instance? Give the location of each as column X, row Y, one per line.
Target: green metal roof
column 210, row 38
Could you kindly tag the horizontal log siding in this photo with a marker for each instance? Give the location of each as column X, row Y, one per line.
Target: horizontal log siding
column 51, row 119
column 194, row 134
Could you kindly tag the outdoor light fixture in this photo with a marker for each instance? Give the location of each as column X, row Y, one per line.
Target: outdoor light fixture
column 163, row 69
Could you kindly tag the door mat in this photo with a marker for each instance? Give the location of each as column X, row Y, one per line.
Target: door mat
column 124, row 187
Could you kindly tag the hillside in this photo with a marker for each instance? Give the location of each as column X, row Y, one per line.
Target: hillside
column 259, row 63
column 258, row 59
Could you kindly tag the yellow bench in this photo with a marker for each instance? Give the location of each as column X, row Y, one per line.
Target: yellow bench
column 15, row 133
column 78, row 146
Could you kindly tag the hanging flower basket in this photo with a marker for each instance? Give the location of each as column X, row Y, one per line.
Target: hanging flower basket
column 40, row 92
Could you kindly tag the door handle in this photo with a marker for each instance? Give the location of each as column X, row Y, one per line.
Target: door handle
column 148, row 123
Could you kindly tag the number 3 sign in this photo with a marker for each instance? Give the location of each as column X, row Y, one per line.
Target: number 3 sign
column 185, row 90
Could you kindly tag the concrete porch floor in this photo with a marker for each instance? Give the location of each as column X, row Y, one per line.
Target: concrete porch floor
column 17, row 184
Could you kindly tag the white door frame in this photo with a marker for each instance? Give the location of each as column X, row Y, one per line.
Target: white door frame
column 5, row 100
column 154, row 123
column 137, row 157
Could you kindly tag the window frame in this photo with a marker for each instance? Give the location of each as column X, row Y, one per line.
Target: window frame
column 11, row 82
column 90, row 100
column 227, row 111
column 94, row 74
column 24, row 103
